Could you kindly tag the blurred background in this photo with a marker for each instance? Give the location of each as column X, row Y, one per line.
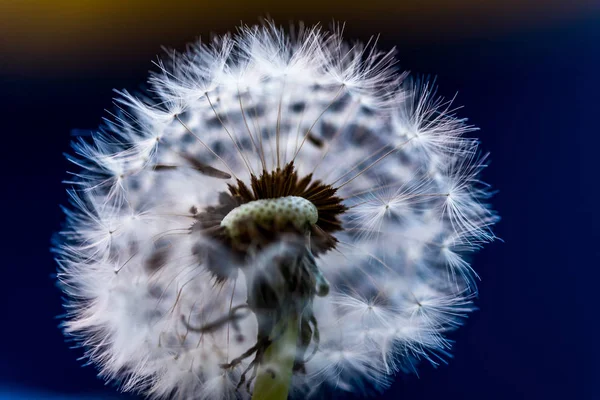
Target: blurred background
column 527, row 73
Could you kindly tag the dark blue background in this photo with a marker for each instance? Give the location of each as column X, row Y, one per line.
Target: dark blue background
column 536, row 96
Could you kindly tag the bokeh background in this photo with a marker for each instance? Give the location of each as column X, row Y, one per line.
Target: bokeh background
column 527, row 73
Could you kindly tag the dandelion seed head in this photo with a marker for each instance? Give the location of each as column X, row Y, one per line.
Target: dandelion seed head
column 265, row 175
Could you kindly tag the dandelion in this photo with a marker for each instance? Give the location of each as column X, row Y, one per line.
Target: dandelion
column 279, row 214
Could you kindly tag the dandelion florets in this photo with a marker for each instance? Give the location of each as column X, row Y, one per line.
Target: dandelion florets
column 267, row 178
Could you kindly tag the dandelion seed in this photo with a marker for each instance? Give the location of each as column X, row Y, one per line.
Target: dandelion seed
column 272, row 187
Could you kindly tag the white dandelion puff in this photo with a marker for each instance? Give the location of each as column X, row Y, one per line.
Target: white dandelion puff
column 275, row 204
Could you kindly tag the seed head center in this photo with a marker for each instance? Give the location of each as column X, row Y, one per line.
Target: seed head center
column 290, row 209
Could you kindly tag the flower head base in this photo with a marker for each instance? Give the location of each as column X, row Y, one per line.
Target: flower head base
column 289, row 209
column 272, row 180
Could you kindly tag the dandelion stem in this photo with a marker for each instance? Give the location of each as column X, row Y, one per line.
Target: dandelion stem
column 275, row 370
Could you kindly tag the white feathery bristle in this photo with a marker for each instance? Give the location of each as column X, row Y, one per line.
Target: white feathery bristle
column 168, row 309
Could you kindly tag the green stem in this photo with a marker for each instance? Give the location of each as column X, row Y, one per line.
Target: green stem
column 275, row 371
